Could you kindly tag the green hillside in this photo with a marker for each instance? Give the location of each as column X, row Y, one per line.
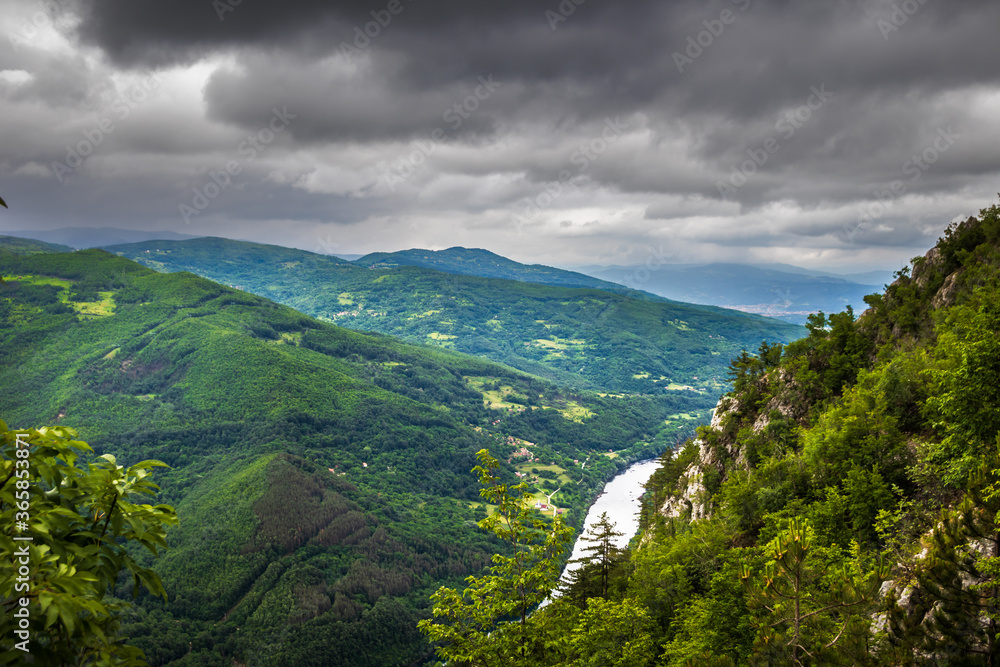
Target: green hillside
column 479, row 262
column 20, row 246
column 579, row 337
column 321, row 475
column 841, row 509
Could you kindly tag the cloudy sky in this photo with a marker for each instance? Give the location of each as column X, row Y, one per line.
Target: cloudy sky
column 837, row 134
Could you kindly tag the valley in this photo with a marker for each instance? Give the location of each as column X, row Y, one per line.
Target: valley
column 321, row 475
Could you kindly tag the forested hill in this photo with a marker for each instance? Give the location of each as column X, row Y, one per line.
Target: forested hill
column 479, row 262
column 22, row 246
column 579, row 337
column 321, row 475
column 842, row 507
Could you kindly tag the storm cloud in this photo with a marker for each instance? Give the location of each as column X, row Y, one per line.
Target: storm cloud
column 841, row 133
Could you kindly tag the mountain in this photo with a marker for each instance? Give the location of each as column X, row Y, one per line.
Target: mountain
column 881, row 277
column 321, row 475
column 781, row 293
column 580, row 337
column 479, row 262
column 22, row 246
column 842, row 506
column 95, row 237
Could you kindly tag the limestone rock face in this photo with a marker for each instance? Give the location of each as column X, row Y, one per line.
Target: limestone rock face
column 693, row 502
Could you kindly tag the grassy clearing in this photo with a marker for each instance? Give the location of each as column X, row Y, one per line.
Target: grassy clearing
column 490, row 509
column 102, row 308
column 427, row 313
column 43, row 280
column 673, row 386
column 345, row 299
column 289, row 338
column 573, row 411
column 561, row 475
column 493, row 398
column 560, row 343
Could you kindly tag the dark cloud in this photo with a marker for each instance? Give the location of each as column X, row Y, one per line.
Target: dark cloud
column 701, row 86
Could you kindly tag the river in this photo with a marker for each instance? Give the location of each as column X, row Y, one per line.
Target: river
column 620, row 499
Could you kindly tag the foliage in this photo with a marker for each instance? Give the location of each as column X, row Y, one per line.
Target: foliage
column 487, row 623
column 613, row 634
column 813, row 603
column 80, row 519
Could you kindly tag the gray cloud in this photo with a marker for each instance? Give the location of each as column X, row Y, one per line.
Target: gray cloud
column 701, row 86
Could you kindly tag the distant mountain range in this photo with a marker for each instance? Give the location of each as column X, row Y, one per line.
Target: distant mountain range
column 782, row 291
column 615, row 340
column 786, row 292
column 95, row 237
column 479, row 262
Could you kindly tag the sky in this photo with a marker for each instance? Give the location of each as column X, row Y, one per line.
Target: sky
column 842, row 134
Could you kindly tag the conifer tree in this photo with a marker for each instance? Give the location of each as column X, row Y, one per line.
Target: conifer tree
column 953, row 614
column 603, row 552
column 487, row 624
column 811, row 607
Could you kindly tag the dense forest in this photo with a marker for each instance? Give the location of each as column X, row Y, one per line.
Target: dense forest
column 841, row 508
column 578, row 337
column 321, row 476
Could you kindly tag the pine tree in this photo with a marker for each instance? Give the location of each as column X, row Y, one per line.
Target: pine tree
column 603, row 552
column 954, row 613
column 811, row 607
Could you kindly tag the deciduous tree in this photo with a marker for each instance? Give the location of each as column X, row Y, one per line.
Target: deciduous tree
column 67, row 527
